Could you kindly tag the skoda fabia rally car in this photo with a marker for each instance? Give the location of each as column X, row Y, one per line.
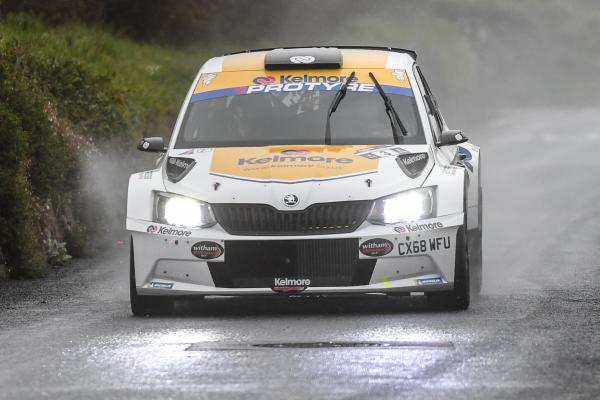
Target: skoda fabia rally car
column 307, row 171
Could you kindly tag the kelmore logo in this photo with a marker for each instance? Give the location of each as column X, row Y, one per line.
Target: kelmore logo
column 412, row 164
column 264, row 80
column 376, row 247
column 413, row 158
column 418, row 227
column 291, row 282
column 165, row 230
column 294, row 83
column 294, row 159
column 207, row 250
column 290, row 285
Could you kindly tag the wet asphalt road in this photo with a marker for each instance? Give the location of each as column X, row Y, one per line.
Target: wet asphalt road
column 534, row 333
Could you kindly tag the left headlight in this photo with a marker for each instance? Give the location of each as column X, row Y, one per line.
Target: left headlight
column 183, row 211
column 411, row 205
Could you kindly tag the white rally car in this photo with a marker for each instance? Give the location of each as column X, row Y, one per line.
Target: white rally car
column 308, row 171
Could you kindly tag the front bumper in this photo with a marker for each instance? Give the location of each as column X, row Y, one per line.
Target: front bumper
column 417, row 257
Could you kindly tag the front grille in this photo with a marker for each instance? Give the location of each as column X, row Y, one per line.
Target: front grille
column 263, row 219
column 256, row 263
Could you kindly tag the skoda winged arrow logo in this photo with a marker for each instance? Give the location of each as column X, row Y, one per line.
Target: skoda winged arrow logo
column 290, row 200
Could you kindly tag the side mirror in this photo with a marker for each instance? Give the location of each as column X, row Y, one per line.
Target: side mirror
column 152, row 144
column 450, row 137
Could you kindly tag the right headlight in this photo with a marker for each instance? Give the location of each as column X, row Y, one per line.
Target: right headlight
column 411, row 205
column 183, row 211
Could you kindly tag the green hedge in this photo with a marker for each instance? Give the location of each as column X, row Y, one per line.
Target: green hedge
column 64, row 92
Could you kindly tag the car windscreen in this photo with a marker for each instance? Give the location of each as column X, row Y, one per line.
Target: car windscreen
column 297, row 117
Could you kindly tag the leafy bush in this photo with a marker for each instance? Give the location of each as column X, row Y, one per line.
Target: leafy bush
column 22, row 128
column 67, row 93
column 56, row 252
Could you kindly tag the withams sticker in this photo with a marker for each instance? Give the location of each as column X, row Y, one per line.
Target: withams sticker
column 207, row 250
column 289, row 164
column 376, row 247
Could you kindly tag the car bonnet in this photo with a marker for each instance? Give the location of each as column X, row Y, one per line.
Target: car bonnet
column 313, row 173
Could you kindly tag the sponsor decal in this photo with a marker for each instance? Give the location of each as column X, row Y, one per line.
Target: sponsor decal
column 377, row 152
column 298, row 152
column 290, row 285
column 242, row 82
column 306, row 78
column 195, row 151
column 289, row 159
column 399, row 74
column 178, row 168
column 145, row 175
column 376, row 247
column 449, row 170
column 264, row 80
column 294, row 83
column 166, row 230
column 424, row 245
column 429, row 281
column 410, row 228
column 290, row 200
column 290, row 164
column 409, row 160
column 181, row 163
column 207, row 250
column 162, row 285
column 468, row 157
column 207, row 79
column 296, row 87
column 412, row 164
column 302, row 59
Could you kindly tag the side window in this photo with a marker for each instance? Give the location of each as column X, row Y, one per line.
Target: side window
column 430, row 100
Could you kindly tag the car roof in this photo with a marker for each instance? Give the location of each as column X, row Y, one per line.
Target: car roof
column 355, row 57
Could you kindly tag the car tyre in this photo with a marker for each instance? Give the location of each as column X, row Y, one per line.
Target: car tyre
column 460, row 296
column 476, row 252
column 146, row 305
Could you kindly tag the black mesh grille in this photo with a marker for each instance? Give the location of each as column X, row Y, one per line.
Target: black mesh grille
column 262, row 219
column 256, row 263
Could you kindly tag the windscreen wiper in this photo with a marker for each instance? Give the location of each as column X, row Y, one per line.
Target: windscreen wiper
column 334, row 105
column 390, row 111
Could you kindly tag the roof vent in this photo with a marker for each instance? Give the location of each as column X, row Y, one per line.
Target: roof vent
column 304, row 58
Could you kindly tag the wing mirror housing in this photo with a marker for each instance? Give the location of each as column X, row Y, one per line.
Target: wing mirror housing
column 451, row 137
column 152, row 145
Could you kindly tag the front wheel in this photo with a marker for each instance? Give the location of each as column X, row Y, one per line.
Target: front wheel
column 146, row 305
column 476, row 254
column 459, row 297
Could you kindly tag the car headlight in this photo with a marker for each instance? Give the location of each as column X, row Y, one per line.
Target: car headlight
column 411, row 205
column 183, row 211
